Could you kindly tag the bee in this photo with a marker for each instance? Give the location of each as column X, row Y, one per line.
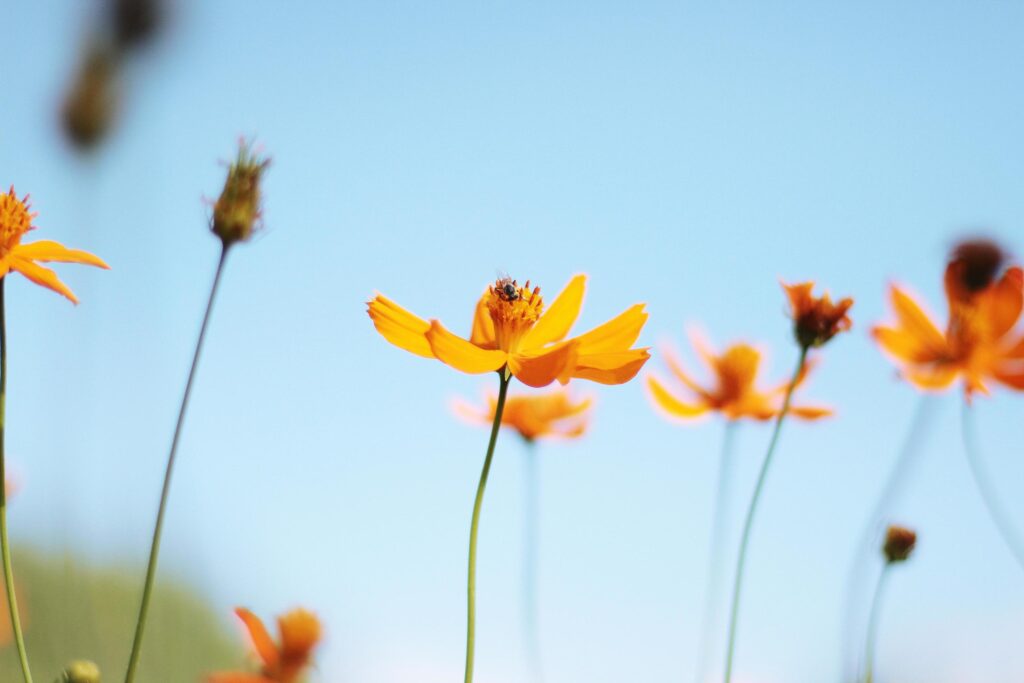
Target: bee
column 508, row 288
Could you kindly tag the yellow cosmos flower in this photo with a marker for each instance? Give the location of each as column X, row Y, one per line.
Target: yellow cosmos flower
column 15, row 221
column 513, row 332
column 734, row 393
column 537, row 416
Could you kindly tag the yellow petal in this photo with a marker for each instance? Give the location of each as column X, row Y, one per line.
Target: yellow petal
column 901, row 344
column 616, row 367
column 916, row 323
column 541, row 368
column 674, row 364
column 931, row 378
column 48, row 250
column 261, row 640
column 669, row 403
column 460, row 353
column 483, row 326
column 559, row 317
column 41, row 276
column 618, row 334
column 399, row 326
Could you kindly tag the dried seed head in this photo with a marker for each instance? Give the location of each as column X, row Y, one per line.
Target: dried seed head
column 899, row 543
column 81, row 671
column 236, row 213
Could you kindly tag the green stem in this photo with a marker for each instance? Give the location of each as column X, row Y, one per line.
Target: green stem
column 749, row 522
column 872, row 634
column 719, row 525
column 475, row 525
column 5, row 544
column 531, row 560
column 988, row 492
column 154, row 550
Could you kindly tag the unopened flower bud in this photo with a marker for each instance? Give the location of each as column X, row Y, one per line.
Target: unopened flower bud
column 899, row 543
column 237, row 211
column 91, row 103
column 80, row 671
column 816, row 319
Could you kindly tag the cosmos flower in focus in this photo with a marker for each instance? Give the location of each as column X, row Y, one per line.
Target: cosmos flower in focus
column 15, row 221
column 979, row 344
column 733, row 392
column 512, row 331
column 535, row 416
column 283, row 662
column 816, row 319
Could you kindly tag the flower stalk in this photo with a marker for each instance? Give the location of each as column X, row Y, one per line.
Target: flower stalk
column 531, row 560
column 872, row 634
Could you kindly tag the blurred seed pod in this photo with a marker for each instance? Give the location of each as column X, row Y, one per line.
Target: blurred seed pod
column 92, row 101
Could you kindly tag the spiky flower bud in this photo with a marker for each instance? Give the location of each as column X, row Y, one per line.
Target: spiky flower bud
column 899, row 543
column 80, row 671
column 236, row 213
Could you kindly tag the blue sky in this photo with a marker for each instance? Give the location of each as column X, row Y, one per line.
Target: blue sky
column 684, row 156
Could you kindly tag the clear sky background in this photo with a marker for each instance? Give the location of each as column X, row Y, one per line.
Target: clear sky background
column 684, row 156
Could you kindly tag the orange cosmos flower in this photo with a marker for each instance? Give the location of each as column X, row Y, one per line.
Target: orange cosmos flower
column 816, row 319
column 978, row 343
column 15, row 221
column 552, row 414
column 512, row 331
column 733, row 394
column 283, row 662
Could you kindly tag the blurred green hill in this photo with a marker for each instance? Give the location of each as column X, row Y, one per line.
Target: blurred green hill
column 74, row 610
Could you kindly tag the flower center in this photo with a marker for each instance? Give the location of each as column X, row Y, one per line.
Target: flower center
column 514, row 310
column 15, row 221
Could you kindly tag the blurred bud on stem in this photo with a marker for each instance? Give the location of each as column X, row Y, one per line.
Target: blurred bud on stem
column 81, row 671
column 236, row 213
column 91, row 102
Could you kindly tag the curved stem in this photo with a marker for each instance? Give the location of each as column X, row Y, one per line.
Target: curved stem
column 154, row 550
column 719, row 525
column 872, row 633
column 531, row 561
column 5, row 544
column 475, row 525
column 988, row 493
column 752, row 510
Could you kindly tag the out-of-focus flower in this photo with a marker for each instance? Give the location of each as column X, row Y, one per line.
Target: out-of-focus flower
column 281, row 662
column 92, row 100
column 536, row 416
column 899, row 543
column 816, row 319
column 80, row 671
column 135, row 22
column 237, row 211
column 15, row 221
column 512, row 332
column 733, row 392
column 979, row 342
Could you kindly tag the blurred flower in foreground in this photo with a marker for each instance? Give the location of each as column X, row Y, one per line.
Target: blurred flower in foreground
column 733, row 394
column 135, row 22
column 816, row 319
column 537, row 416
column 80, row 671
column 15, row 221
column 237, row 211
column 512, row 331
column 282, row 662
column 91, row 102
column 978, row 343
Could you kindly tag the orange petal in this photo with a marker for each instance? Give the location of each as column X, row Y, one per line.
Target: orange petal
column 616, row 367
column 1011, row 378
column 48, row 250
column 483, row 326
column 261, row 640
column 618, row 334
column 541, row 368
column 460, row 353
column 300, row 632
column 399, row 326
column 676, row 366
column 902, row 345
column 560, row 315
column 916, row 323
column 810, row 412
column 931, row 378
column 41, row 276
column 669, row 403
column 1005, row 301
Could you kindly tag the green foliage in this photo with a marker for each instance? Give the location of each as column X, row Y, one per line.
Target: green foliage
column 72, row 610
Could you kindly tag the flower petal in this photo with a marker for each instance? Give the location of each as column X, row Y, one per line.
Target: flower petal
column 669, row 403
column 916, row 322
column 674, row 364
column 1012, row 379
column 462, row 354
column 559, row 316
column 261, row 640
column 1005, row 301
column 483, row 326
column 236, row 677
column 903, row 345
column 541, row 368
column 810, row 412
column 41, row 276
column 614, row 367
column 931, row 378
column 399, row 326
column 618, row 334
column 48, row 250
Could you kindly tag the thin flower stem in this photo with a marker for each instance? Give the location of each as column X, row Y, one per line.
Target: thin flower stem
column 5, row 544
column 719, row 525
column 475, row 525
column 531, row 561
column 154, row 550
column 988, row 493
column 749, row 522
column 872, row 633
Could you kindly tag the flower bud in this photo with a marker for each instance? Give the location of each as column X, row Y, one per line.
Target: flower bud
column 91, row 103
column 816, row 319
column 80, row 671
column 237, row 210
column 899, row 543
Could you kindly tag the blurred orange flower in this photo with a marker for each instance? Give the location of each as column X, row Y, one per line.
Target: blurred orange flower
column 552, row 414
column 733, row 394
column 283, row 662
column 816, row 319
column 978, row 343
column 15, row 221
column 512, row 332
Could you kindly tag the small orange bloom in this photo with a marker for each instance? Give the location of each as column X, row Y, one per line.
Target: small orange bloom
column 978, row 343
column 816, row 320
column 15, row 221
column 734, row 393
column 283, row 662
column 513, row 332
column 552, row 414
